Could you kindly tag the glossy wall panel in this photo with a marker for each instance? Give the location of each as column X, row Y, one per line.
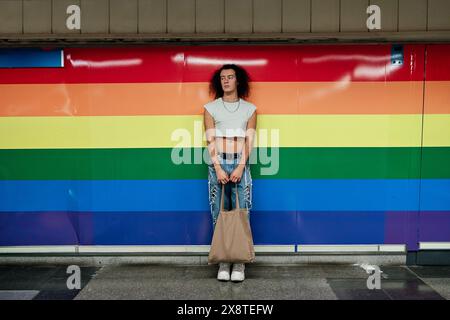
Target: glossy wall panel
column 434, row 218
column 350, row 147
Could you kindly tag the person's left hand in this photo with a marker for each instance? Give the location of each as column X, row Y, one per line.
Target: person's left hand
column 236, row 175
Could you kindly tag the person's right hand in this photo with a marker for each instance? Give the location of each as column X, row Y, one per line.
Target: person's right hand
column 222, row 176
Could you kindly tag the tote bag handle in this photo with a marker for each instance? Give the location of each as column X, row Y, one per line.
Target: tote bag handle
column 223, row 194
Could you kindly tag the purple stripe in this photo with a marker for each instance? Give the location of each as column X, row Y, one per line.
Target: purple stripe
column 434, row 226
column 401, row 227
column 194, row 227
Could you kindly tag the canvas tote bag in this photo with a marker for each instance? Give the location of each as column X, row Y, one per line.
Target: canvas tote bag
column 232, row 238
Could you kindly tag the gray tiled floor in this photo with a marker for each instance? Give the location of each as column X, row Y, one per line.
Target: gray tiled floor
column 262, row 282
column 198, row 282
column 18, row 294
column 437, row 277
column 440, row 285
column 39, row 282
column 177, row 282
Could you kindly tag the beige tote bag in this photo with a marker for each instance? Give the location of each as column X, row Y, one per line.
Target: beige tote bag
column 232, row 239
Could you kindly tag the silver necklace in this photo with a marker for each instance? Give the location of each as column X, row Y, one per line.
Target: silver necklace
column 239, row 103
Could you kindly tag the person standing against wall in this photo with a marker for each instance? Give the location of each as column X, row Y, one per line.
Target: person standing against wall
column 230, row 125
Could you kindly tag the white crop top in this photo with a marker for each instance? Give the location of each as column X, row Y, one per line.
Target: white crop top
column 230, row 120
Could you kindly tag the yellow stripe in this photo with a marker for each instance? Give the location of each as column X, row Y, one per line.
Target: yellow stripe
column 166, row 131
column 436, row 130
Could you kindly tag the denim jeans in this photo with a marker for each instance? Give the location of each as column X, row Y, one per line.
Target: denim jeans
column 244, row 187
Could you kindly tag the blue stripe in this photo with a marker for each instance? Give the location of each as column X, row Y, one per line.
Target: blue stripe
column 186, row 228
column 30, row 58
column 435, row 195
column 192, row 195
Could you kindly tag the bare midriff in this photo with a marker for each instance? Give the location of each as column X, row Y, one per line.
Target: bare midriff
column 230, row 144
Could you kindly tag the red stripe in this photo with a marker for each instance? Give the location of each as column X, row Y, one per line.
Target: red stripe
column 438, row 62
column 171, row 63
column 360, row 63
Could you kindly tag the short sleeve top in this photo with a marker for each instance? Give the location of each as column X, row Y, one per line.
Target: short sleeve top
column 230, row 118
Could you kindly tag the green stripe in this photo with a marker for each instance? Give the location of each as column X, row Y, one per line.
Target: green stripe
column 155, row 163
column 436, row 163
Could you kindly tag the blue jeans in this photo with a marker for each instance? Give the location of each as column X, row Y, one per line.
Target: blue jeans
column 244, row 187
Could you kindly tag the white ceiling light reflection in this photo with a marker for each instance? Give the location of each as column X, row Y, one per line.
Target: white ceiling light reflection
column 179, row 57
column 214, row 62
column 369, row 72
column 327, row 89
column 67, row 107
column 341, row 84
column 106, row 63
column 347, row 57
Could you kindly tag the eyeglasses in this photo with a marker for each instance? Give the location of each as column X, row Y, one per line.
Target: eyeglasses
column 229, row 77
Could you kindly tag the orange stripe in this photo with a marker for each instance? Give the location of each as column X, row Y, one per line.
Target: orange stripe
column 188, row 98
column 361, row 98
column 437, row 97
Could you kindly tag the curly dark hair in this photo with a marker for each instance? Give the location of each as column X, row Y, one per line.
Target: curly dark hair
column 242, row 77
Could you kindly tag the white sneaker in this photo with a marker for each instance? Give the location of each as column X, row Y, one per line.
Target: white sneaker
column 224, row 272
column 238, row 272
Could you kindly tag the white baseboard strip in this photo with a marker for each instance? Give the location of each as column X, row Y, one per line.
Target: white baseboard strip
column 392, row 248
column 136, row 249
column 351, row 248
column 162, row 249
column 144, row 249
column 434, row 245
column 275, row 248
column 337, row 248
column 39, row 249
column 176, row 249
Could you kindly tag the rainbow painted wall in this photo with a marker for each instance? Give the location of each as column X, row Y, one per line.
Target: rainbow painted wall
column 86, row 137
